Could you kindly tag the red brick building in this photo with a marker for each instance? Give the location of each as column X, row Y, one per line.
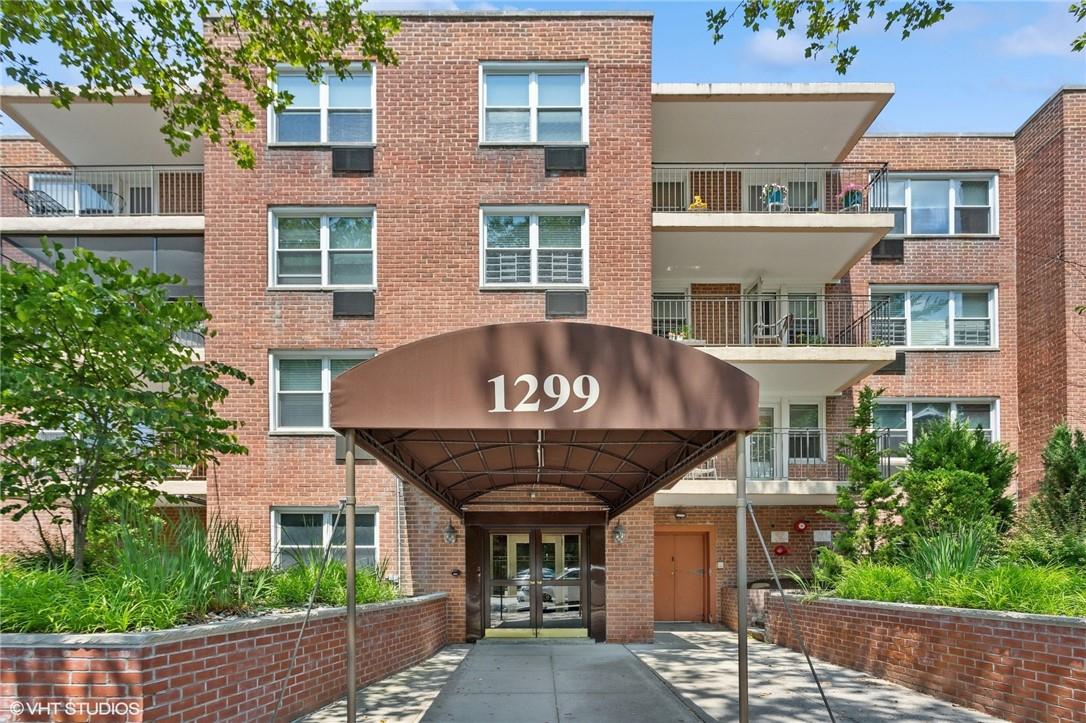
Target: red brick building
column 510, row 156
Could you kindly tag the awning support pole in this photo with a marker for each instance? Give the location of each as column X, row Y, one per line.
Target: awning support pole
column 741, row 567
column 352, row 622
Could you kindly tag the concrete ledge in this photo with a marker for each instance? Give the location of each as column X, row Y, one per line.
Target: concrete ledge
column 879, row 223
column 75, row 225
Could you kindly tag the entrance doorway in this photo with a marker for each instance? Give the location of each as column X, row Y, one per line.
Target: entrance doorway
column 681, row 576
column 536, row 583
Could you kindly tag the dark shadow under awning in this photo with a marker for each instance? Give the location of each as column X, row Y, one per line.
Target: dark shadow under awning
column 616, row 413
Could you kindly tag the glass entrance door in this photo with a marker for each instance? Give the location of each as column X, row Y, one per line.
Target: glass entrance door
column 536, row 583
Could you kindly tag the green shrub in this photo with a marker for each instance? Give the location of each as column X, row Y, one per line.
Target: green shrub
column 886, row 583
column 1015, row 587
column 1035, row 541
column 292, row 587
column 954, row 552
column 829, row 566
column 943, row 499
column 946, row 445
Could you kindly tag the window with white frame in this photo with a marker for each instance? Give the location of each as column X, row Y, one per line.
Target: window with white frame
column 300, row 534
column 301, row 385
column 931, row 317
column 905, row 420
column 333, row 110
column 929, row 205
column 322, row 249
column 805, row 433
column 525, row 103
column 534, row 247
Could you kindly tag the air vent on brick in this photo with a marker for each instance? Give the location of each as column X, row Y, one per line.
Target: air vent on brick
column 889, row 250
column 567, row 304
column 352, row 161
column 356, row 304
column 562, row 160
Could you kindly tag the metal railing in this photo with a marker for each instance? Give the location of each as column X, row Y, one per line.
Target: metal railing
column 791, row 454
column 770, row 188
column 771, row 319
column 101, row 190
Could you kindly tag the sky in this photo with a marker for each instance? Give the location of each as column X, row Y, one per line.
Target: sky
column 985, row 68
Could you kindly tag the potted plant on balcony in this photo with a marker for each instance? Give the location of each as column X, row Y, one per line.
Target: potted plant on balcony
column 851, row 197
column 698, row 204
column 775, row 197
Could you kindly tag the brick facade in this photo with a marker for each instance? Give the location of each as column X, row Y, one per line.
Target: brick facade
column 1022, row 668
column 217, row 672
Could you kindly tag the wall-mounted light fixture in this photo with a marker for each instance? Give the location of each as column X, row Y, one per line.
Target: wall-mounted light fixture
column 680, row 514
column 618, row 534
column 450, row 534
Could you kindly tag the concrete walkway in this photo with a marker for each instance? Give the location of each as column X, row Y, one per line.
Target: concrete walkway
column 701, row 662
column 688, row 675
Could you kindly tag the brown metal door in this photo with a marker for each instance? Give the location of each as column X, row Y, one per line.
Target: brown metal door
column 690, row 577
column 680, row 577
column 664, row 577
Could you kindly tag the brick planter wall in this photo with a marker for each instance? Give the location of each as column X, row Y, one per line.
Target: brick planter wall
column 1010, row 665
column 229, row 671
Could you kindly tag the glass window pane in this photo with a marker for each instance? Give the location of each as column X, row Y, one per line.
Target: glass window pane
column 183, row 256
column 560, row 90
column 301, row 528
column 507, row 231
column 506, row 90
column 354, row 92
column 895, row 303
column 930, row 207
column 508, row 267
column 930, row 311
column 560, row 232
column 341, row 365
column 299, row 233
column 301, row 410
column 299, row 268
column 136, row 250
column 973, row 304
column 560, row 267
column 927, row 413
column 972, row 193
column 803, row 416
column 972, row 220
column 299, row 375
column 559, row 125
column 350, row 126
column 895, row 188
column 298, row 127
column 306, row 93
column 350, row 232
column 890, row 416
column 508, row 126
column 977, row 415
column 364, row 524
column 899, row 220
column 350, row 267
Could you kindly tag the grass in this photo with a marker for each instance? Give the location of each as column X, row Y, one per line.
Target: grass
column 155, row 579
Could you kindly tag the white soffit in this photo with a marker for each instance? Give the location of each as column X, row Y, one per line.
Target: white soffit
column 762, row 122
column 811, row 371
column 95, row 134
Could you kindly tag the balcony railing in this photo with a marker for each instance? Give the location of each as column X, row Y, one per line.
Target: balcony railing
column 790, row 454
column 769, row 188
column 771, row 319
column 101, row 191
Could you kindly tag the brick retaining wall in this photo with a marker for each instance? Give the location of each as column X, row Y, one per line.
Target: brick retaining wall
column 1010, row 665
column 229, row 671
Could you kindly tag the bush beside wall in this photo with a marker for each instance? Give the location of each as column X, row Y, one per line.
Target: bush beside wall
column 230, row 671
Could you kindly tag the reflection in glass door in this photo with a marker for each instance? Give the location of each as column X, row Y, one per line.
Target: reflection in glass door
column 761, row 446
column 536, row 583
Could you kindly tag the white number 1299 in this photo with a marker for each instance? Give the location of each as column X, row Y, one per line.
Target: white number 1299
column 556, row 387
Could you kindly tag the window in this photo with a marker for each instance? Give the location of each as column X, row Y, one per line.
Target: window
column 314, row 249
column 804, row 434
column 331, row 111
column 534, row 104
column 942, row 206
column 544, row 248
column 299, row 535
column 301, row 384
column 934, row 317
column 904, row 421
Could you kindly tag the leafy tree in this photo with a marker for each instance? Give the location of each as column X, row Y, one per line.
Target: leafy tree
column 941, row 500
column 1061, row 499
column 99, row 393
column 829, row 21
column 946, row 445
column 868, row 505
column 190, row 73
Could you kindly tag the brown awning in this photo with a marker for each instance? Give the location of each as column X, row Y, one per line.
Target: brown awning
column 612, row 412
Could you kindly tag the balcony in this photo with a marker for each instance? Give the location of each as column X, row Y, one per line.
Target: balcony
column 784, row 467
column 797, row 343
column 102, row 198
column 807, row 222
